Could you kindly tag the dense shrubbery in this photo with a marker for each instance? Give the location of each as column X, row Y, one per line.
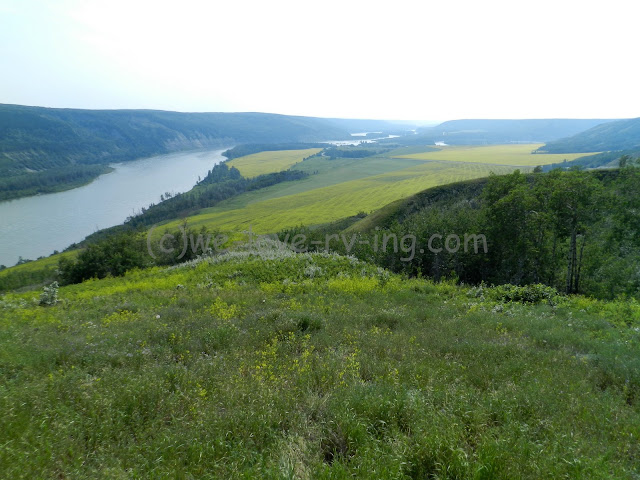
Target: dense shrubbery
column 48, row 181
column 574, row 231
column 251, row 148
column 111, row 257
column 116, row 254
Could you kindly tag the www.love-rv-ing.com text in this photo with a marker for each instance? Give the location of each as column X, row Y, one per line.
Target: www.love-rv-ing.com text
column 406, row 245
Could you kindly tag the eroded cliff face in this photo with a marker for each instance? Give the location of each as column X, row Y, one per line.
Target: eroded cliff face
column 195, row 141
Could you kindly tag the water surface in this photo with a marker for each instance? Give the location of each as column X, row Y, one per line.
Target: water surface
column 35, row 226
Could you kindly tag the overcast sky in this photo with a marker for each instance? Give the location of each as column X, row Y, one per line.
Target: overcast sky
column 418, row 60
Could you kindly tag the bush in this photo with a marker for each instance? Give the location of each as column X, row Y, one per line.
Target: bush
column 49, row 296
column 535, row 293
column 111, row 257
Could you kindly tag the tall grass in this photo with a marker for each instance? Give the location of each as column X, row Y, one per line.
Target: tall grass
column 270, row 364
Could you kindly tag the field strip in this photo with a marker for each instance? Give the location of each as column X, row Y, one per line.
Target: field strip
column 331, row 203
column 516, row 155
column 269, row 162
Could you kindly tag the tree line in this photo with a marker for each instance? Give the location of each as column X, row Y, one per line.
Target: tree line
column 576, row 231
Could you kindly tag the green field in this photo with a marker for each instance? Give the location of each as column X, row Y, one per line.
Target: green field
column 343, row 187
column 279, row 365
column 267, row 162
column 511, row 155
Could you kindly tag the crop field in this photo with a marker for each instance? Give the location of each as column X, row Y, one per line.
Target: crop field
column 334, row 193
column 268, row 162
column 269, row 364
column 512, row 155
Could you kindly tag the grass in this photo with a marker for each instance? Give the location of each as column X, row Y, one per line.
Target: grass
column 511, row 155
column 267, row 162
column 32, row 273
column 272, row 210
column 277, row 365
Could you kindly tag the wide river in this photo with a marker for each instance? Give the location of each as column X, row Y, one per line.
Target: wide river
column 35, row 226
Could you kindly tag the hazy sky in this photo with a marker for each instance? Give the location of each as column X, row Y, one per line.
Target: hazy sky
column 366, row 59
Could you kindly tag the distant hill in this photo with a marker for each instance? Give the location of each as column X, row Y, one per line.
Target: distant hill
column 46, row 150
column 608, row 137
column 36, row 138
column 478, row 132
column 363, row 125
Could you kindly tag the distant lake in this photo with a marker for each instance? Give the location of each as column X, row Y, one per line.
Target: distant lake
column 36, row 226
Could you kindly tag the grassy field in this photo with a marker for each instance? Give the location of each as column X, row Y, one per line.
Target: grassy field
column 268, row 162
column 326, row 204
column 279, row 365
column 511, row 155
column 32, row 273
column 337, row 189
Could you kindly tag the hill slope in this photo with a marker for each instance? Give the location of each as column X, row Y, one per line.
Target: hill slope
column 480, row 131
column 270, row 364
column 35, row 138
column 610, row 136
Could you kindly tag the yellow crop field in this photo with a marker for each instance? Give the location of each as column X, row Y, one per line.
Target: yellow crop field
column 269, row 162
column 516, row 155
column 326, row 204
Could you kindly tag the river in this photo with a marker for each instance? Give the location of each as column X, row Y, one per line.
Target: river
column 36, row 226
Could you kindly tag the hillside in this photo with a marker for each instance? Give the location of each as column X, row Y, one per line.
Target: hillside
column 610, row 136
column 270, row 364
column 39, row 146
column 479, row 131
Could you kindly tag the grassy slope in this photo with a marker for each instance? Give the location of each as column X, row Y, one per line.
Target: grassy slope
column 340, row 188
column 32, row 273
column 267, row 162
column 282, row 367
column 511, row 155
column 610, row 136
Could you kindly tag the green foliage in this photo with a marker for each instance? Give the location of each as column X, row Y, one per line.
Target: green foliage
column 534, row 293
column 259, row 364
column 49, row 296
column 112, row 257
column 610, row 136
column 251, row 148
column 52, row 180
column 573, row 231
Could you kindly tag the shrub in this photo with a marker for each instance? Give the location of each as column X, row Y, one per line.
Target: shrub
column 49, row 296
column 535, row 293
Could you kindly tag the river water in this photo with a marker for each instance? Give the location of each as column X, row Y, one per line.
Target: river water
column 36, row 226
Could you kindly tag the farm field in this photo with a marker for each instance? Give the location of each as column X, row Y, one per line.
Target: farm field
column 326, row 204
column 513, row 155
column 268, row 162
column 343, row 187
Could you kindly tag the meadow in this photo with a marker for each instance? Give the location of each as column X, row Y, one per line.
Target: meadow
column 267, row 162
column 342, row 187
column 269, row 364
column 516, row 155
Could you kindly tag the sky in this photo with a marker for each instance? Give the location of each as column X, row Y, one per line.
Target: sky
column 412, row 60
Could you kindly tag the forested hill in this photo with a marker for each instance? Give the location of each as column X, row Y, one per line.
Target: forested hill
column 36, row 138
column 479, row 131
column 610, row 136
